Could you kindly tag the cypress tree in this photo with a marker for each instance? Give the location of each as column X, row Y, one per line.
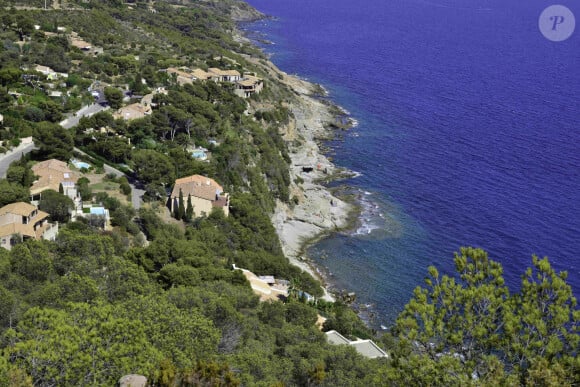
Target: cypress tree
column 175, row 209
column 181, row 208
column 60, row 189
column 189, row 210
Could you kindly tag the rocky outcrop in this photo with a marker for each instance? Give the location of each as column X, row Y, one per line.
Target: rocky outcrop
column 133, row 381
column 241, row 12
column 313, row 211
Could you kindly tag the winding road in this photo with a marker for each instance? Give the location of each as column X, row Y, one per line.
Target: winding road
column 12, row 155
column 85, row 111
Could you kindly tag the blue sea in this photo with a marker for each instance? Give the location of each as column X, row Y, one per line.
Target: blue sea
column 468, row 134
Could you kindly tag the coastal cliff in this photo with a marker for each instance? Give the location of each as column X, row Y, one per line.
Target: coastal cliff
column 317, row 210
column 314, row 210
column 239, row 11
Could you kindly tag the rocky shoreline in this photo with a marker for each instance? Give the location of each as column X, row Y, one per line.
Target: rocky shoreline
column 314, row 210
column 318, row 211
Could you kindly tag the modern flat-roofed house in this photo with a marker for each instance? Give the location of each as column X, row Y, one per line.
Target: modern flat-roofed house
column 205, row 193
column 49, row 73
column 51, row 174
column 25, row 220
column 249, row 85
column 45, row 70
column 367, row 348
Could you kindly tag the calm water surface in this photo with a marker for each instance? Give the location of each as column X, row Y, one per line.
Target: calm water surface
column 469, row 134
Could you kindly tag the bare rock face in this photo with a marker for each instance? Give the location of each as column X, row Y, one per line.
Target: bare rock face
column 243, row 12
column 133, row 381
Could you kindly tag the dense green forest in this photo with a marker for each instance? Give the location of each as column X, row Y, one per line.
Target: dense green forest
column 159, row 297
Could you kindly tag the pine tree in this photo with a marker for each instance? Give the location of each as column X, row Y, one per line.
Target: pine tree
column 137, row 86
column 471, row 323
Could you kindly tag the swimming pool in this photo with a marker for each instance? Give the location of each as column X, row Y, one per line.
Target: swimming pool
column 98, row 211
column 199, row 155
column 80, row 164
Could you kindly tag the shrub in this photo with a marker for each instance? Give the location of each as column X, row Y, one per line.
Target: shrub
column 125, row 188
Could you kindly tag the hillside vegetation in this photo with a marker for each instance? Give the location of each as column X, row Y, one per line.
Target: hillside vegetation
column 158, row 296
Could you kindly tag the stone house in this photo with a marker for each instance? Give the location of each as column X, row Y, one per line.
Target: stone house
column 25, row 220
column 51, row 174
column 205, row 192
column 199, row 74
column 181, row 76
column 224, row 75
column 249, row 85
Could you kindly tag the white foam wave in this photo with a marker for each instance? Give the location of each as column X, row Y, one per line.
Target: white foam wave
column 371, row 217
column 366, row 228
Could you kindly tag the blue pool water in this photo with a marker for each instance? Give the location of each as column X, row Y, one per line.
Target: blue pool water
column 97, row 211
column 469, row 134
column 80, row 164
